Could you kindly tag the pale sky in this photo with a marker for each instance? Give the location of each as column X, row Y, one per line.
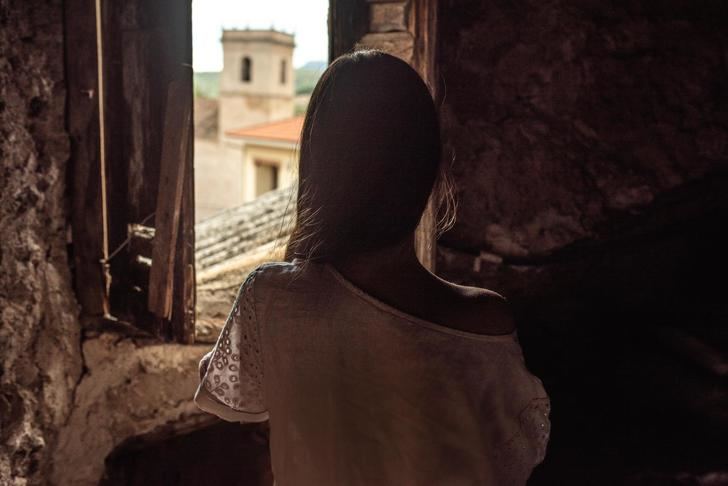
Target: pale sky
column 304, row 18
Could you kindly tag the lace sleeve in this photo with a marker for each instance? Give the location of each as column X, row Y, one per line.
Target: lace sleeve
column 232, row 385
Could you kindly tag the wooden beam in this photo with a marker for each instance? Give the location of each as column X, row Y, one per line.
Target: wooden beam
column 82, row 118
column 175, row 152
column 348, row 22
column 185, row 296
column 423, row 27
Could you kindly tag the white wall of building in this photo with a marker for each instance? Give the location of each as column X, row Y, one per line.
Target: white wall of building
column 219, row 176
column 282, row 154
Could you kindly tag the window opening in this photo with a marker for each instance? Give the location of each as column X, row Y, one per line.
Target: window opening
column 266, row 176
column 246, row 73
column 246, row 130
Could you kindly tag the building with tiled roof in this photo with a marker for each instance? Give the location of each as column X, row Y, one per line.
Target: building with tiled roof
column 265, row 154
column 256, row 91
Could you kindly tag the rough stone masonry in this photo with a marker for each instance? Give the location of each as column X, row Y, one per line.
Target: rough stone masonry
column 40, row 359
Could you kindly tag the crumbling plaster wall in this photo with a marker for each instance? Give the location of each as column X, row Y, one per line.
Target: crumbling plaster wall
column 132, row 388
column 590, row 146
column 66, row 400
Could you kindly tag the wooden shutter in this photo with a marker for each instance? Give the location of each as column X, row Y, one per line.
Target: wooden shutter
column 145, row 202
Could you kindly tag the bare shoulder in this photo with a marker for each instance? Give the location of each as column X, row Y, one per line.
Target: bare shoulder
column 272, row 273
column 288, row 277
column 482, row 311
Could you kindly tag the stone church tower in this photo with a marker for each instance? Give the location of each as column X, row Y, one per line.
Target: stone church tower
column 256, row 84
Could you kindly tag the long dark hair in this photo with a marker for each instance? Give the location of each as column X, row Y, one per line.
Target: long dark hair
column 370, row 155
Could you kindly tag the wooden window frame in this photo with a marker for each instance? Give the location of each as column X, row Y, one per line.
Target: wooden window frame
column 129, row 116
column 118, row 80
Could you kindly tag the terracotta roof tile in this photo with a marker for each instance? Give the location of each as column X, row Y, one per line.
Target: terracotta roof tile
column 288, row 130
column 236, row 231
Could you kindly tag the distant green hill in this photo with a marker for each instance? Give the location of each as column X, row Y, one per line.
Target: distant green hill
column 207, row 84
column 307, row 76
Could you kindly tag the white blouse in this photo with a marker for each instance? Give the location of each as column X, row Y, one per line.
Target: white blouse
column 360, row 393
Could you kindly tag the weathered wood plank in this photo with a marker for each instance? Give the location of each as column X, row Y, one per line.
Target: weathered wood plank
column 185, row 296
column 422, row 24
column 175, row 151
column 85, row 175
column 179, row 49
column 142, row 140
column 184, row 312
column 116, row 124
column 348, row 22
column 423, row 28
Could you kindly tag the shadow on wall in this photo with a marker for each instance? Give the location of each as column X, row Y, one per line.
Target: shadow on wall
column 591, row 143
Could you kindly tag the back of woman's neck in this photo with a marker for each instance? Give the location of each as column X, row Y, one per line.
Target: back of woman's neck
column 398, row 258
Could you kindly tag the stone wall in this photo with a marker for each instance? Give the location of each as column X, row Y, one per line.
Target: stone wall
column 40, row 361
column 590, row 147
column 389, row 29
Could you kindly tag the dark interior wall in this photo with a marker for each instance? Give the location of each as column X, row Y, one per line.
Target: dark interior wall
column 590, row 143
column 39, row 333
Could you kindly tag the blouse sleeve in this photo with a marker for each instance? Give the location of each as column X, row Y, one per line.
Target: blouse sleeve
column 232, row 384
